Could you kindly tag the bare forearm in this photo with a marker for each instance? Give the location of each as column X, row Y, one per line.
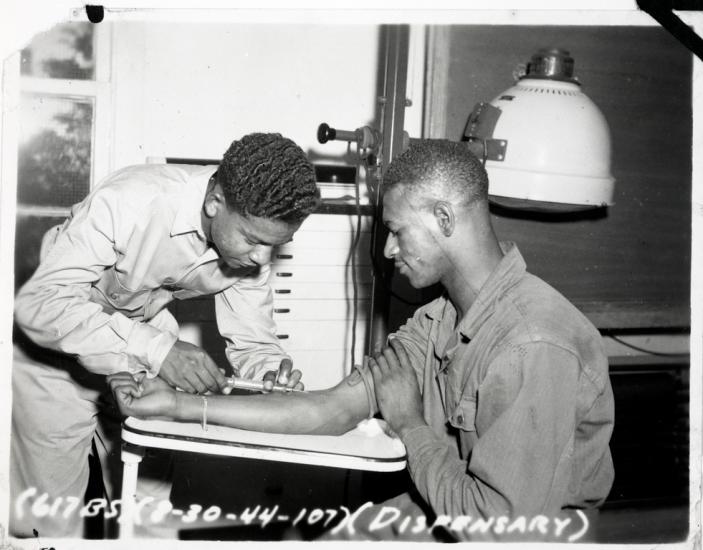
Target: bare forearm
column 328, row 412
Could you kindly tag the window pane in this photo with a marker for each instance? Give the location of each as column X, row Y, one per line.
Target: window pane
column 66, row 51
column 28, row 235
column 55, row 150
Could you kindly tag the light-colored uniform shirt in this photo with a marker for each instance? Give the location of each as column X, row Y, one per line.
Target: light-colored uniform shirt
column 133, row 245
column 517, row 400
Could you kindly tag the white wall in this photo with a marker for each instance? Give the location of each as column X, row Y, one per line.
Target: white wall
column 189, row 89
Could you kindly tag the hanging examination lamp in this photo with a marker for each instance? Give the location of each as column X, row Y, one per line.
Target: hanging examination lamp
column 545, row 144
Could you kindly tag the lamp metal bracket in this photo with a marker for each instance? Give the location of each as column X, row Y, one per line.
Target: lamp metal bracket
column 479, row 133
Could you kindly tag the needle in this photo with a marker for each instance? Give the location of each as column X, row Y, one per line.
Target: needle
column 253, row 385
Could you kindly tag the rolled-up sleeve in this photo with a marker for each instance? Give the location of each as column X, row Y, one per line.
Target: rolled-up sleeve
column 363, row 373
column 244, row 314
column 54, row 307
column 413, row 335
column 525, row 425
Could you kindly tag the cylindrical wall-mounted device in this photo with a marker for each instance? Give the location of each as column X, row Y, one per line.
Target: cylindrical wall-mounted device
column 545, row 144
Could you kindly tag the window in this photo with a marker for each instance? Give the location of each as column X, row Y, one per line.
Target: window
column 64, row 52
column 55, row 150
column 64, row 105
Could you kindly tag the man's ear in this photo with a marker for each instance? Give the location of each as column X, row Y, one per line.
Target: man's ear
column 214, row 200
column 446, row 220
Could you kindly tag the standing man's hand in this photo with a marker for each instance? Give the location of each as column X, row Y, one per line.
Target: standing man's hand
column 397, row 392
column 285, row 376
column 190, row 368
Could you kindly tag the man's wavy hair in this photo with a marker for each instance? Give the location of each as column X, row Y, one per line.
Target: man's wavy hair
column 268, row 176
column 439, row 170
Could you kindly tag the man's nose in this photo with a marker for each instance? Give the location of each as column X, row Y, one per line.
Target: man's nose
column 261, row 254
column 391, row 247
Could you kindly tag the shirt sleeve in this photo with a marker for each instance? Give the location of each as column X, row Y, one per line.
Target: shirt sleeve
column 54, row 307
column 414, row 335
column 244, row 314
column 524, row 423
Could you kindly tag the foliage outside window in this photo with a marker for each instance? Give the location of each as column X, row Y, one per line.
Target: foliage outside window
column 66, row 51
column 57, row 128
column 55, row 150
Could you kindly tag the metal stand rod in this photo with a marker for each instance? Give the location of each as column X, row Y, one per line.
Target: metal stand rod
column 396, row 46
column 131, row 457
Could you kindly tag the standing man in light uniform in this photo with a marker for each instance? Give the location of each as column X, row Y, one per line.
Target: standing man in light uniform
column 96, row 304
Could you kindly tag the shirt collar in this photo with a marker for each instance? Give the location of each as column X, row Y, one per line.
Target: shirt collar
column 187, row 218
column 435, row 310
column 507, row 273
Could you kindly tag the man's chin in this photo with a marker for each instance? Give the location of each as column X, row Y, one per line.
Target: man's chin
column 416, row 283
column 419, row 283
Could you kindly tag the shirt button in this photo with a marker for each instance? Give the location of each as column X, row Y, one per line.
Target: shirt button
column 460, row 419
column 114, row 295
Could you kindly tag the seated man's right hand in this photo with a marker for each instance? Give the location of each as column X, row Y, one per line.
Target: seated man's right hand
column 143, row 397
column 190, row 368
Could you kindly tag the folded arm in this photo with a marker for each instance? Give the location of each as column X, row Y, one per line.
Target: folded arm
column 522, row 428
column 525, row 429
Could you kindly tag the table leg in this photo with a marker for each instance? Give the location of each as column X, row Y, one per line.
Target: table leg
column 131, row 457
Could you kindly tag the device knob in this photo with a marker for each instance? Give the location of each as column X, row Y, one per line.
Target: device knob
column 325, row 133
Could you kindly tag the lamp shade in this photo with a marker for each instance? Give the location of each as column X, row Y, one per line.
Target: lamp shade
column 545, row 144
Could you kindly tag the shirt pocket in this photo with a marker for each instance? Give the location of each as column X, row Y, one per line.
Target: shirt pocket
column 463, row 417
column 120, row 298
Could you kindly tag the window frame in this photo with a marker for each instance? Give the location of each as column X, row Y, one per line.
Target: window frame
column 99, row 92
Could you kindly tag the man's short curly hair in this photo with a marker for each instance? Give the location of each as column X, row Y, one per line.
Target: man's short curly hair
column 268, row 176
column 439, row 170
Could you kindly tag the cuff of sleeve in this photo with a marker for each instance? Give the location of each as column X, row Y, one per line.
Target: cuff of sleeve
column 256, row 371
column 158, row 350
column 149, row 346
